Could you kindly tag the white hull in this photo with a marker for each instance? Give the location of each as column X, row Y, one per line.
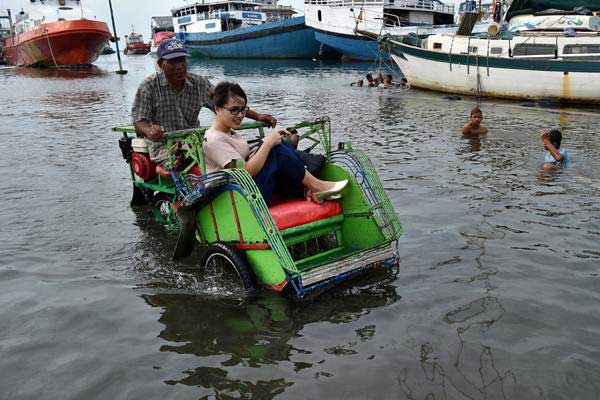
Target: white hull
column 502, row 81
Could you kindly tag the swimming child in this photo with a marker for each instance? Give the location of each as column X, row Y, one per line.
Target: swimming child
column 556, row 157
column 387, row 82
column 370, row 80
column 474, row 127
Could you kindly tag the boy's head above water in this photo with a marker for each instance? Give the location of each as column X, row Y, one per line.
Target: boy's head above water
column 476, row 117
column 555, row 137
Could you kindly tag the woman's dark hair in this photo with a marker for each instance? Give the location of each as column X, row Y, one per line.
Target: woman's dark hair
column 555, row 137
column 224, row 91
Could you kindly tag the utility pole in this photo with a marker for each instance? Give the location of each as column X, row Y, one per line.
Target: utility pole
column 121, row 71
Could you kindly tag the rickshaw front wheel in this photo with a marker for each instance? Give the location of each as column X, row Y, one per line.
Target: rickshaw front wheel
column 228, row 269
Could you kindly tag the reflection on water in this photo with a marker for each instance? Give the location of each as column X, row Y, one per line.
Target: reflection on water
column 259, row 333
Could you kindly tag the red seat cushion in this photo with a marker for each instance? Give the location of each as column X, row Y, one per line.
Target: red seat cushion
column 295, row 212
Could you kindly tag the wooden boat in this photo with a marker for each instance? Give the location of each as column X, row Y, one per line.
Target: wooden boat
column 530, row 64
column 244, row 29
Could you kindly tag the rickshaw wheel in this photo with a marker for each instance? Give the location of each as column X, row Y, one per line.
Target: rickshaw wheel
column 228, row 268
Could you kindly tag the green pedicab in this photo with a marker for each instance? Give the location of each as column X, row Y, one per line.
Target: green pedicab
column 295, row 246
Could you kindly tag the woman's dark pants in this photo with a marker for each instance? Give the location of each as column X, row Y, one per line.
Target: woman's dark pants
column 283, row 173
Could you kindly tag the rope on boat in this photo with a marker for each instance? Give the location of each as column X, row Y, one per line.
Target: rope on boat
column 50, row 47
column 378, row 55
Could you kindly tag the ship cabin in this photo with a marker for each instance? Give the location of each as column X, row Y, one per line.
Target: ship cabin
column 161, row 24
column 5, row 27
column 225, row 15
column 417, row 12
column 38, row 12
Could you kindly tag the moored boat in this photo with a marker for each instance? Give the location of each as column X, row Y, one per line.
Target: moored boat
column 561, row 65
column 161, row 28
column 54, row 33
column 244, row 29
column 135, row 44
column 335, row 22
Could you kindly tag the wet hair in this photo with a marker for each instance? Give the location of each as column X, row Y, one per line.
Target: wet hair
column 555, row 137
column 388, row 77
column 404, row 80
column 226, row 90
column 369, row 77
column 476, row 110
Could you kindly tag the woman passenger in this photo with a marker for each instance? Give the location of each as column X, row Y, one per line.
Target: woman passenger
column 275, row 166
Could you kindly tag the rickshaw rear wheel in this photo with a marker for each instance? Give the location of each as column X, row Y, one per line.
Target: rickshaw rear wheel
column 229, row 268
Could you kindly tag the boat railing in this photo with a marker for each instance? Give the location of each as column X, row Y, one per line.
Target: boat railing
column 431, row 5
column 345, row 3
column 218, row 14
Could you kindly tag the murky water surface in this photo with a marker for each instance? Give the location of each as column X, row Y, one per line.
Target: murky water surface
column 497, row 295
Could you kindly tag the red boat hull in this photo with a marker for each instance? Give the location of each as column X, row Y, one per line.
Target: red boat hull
column 139, row 48
column 61, row 43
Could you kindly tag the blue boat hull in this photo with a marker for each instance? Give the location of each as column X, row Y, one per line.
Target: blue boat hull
column 354, row 47
column 289, row 38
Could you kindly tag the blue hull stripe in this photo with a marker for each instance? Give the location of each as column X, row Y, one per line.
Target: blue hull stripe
column 354, row 47
column 281, row 39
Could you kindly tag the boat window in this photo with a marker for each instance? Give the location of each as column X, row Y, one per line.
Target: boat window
column 319, row 15
column 437, row 46
column 65, row 8
column 581, row 49
column 527, row 49
column 473, row 49
column 496, row 50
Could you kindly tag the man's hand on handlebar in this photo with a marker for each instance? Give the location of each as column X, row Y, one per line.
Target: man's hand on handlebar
column 155, row 132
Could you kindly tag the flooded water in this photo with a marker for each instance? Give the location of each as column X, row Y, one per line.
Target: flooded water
column 497, row 295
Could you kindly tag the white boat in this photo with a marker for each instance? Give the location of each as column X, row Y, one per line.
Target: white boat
column 161, row 28
column 549, row 64
column 335, row 22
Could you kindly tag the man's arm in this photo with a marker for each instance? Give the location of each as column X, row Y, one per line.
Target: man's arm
column 141, row 114
column 269, row 119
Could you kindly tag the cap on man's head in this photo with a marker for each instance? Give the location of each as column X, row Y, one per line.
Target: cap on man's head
column 171, row 48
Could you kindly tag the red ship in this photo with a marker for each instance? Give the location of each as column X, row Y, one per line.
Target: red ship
column 54, row 33
column 135, row 44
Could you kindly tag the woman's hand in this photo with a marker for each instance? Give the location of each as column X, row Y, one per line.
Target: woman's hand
column 273, row 139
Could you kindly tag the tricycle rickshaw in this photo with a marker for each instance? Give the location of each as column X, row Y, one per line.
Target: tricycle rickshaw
column 295, row 246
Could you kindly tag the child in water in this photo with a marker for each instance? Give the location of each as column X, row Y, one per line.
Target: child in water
column 556, row 157
column 474, row 127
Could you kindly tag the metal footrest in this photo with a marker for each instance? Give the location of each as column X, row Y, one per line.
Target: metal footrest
column 348, row 264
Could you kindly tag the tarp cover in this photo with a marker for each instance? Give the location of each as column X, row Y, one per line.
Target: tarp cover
column 519, row 7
